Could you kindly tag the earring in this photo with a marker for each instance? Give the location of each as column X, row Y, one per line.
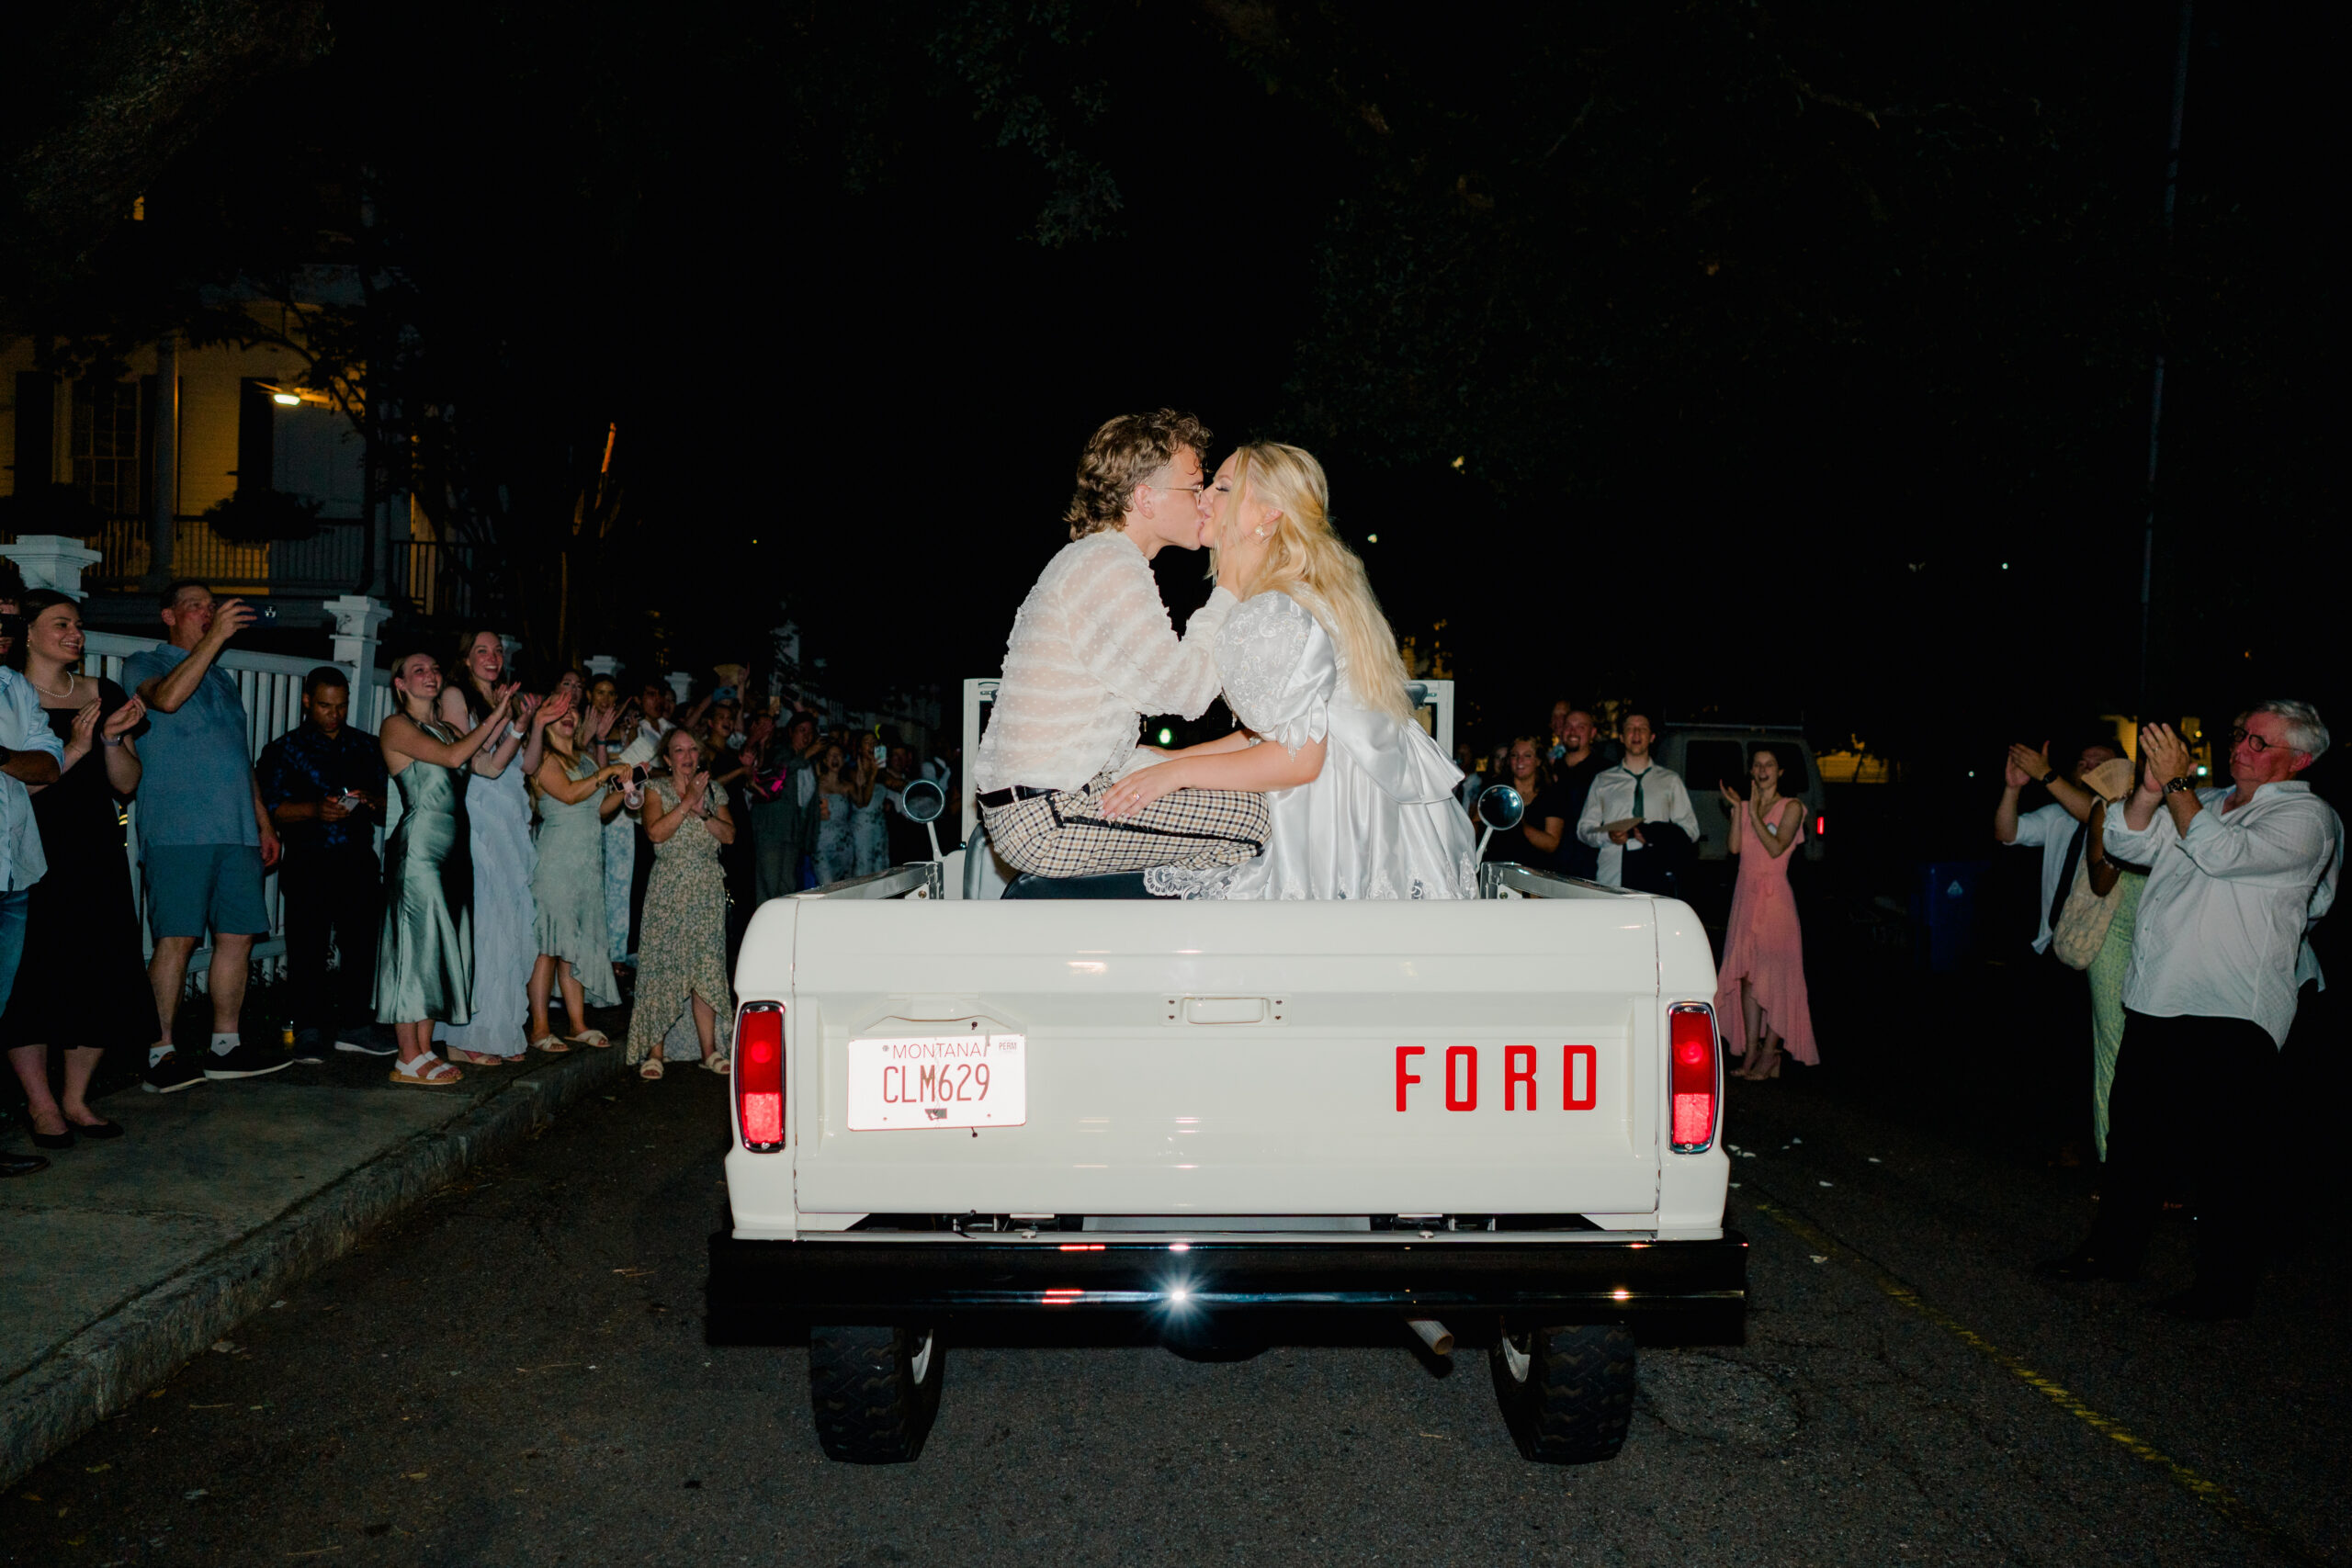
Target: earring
column 1261, row 533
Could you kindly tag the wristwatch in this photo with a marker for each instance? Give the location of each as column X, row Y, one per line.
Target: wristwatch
column 2172, row 786
column 2044, row 780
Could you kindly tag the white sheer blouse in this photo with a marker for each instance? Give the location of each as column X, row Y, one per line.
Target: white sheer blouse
column 1380, row 821
column 1092, row 650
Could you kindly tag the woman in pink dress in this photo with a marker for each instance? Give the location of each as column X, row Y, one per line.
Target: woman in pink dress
column 1761, row 982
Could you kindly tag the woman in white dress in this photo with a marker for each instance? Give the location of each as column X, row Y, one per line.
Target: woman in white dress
column 1362, row 799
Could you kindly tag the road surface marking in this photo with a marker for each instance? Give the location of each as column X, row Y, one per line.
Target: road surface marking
column 2211, row 1493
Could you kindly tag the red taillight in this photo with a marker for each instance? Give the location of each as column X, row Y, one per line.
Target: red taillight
column 1820, row 826
column 1690, row 1041
column 759, row 1076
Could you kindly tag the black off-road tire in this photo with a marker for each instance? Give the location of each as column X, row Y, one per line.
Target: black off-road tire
column 1566, row 1393
column 874, row 1390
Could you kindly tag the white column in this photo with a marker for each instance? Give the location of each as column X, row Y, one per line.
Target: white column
column 603, row 664
column 52, row 560
column 680, row 682
column 358, row 620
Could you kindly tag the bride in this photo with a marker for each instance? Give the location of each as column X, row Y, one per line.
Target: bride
column 1362, row 799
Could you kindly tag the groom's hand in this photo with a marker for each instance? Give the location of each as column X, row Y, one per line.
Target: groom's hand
column 1131, row 795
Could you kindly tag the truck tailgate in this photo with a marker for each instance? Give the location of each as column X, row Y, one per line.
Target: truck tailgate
column 1206, row 1059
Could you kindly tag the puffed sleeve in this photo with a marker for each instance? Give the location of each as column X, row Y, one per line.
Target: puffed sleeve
column 1280, row 670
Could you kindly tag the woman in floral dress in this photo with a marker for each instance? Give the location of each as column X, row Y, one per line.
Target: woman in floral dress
column 682, row 937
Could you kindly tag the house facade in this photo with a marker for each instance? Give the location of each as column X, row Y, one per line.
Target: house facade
column 151, row 452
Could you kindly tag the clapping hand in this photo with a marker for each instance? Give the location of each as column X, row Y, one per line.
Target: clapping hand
column 2027, row 765
column 553, row 708
column 2165, row 753
column 601, row 721
column 86, row 726
column 126, row 719
column 1732, row 800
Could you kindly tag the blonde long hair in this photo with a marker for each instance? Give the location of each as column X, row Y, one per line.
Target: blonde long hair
column 1306, row 560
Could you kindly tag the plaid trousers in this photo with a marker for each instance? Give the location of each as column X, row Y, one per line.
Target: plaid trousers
column 1063, row 834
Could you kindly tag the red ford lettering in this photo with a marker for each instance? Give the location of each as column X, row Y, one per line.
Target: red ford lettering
column 1468, row 1099
column 1515, row 1075
column 1404, row 1077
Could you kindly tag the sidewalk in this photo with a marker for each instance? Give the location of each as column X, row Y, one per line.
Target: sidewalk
column 125, row 1258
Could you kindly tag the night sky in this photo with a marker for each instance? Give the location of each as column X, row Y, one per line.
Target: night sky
column 1797, row 357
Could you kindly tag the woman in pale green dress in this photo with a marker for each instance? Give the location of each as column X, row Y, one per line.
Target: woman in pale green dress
column 682, row 937
column 576, row 797
column 425, row 953
column 2107, row 971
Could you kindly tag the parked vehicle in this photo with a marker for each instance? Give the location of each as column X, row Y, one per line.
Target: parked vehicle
column 1491, row 1122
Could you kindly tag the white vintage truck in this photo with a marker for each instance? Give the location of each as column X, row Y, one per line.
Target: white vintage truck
column 1219, row 1123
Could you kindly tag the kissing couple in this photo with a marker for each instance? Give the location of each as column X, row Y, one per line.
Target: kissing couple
column 1328, row 787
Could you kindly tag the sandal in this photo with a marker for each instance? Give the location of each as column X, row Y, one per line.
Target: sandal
column 718, row 1064
column 550, row 1044
column 427, row 1071
column 593, row 1037
column 651, row 1069
column 481, row 1059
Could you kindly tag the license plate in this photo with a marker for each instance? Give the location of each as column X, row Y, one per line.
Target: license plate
column 964, row 1080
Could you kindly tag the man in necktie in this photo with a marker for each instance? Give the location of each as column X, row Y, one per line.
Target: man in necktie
column 1638, row 808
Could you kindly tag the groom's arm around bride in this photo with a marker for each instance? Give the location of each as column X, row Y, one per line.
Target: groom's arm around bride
column 1092, row 650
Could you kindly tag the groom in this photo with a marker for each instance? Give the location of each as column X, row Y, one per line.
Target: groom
column 1092, row 650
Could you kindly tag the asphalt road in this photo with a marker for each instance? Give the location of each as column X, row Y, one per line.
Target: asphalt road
column 518, row 1375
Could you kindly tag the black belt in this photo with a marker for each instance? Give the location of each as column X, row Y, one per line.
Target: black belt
column 997, row 799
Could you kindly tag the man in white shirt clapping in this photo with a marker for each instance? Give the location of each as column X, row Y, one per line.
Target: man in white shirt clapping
column 1092, row 650
column 2235, row 877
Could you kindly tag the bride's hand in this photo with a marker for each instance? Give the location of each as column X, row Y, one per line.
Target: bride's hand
column 1131, row 795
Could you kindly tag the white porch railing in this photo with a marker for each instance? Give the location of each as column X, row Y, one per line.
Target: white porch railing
column 271, row 687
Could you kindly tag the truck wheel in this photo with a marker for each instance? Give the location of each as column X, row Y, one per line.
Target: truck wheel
column 874, row 1390
column 1566, row 1393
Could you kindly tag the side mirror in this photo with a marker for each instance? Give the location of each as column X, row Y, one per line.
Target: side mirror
column 923, row 800
column 1500, row 808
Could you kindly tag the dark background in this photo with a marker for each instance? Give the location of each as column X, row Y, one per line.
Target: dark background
column 1797, row 357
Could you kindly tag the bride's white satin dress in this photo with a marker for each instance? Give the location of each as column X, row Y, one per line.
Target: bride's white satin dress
column 1380, row 821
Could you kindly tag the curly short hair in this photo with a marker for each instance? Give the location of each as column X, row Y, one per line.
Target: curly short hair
column 1122, row 455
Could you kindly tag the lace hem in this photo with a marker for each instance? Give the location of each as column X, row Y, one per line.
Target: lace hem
column 1190, row 882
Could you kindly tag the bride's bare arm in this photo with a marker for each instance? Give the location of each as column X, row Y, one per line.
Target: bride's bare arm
column 1233, row 740
column 1254, row 768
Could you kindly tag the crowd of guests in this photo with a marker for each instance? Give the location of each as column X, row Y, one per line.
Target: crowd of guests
column 1608, row 811
column 537, row 847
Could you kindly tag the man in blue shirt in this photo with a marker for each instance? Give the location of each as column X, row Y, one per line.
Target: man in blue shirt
column 323, row 783
column 204, row 836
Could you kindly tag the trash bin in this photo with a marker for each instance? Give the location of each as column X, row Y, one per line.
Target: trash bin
column 1943, row 912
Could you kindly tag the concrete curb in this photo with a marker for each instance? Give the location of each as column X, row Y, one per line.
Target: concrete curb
column 146, row 1339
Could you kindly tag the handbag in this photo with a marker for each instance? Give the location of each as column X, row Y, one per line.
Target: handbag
column 2082, row 924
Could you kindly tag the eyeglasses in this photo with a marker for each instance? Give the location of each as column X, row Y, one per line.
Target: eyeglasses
column 2248, row 737
column 1188, row 490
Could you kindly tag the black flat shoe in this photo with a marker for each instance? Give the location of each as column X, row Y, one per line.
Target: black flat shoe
column 98, row 1130
column 22, row 1165
column 54, row 1140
